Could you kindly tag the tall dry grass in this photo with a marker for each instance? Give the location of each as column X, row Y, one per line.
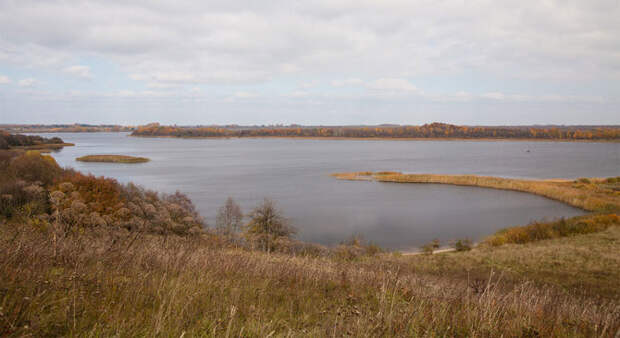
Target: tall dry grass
column 104, row 283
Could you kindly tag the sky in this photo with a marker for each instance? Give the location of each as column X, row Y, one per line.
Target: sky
column 326, row 62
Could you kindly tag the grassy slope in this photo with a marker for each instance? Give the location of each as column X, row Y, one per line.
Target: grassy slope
column 112, row 159
column 110, row 284
column 585, row 264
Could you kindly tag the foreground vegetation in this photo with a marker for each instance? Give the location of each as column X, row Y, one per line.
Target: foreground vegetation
column 87, row 256
column 427, row 131
column 105, row 283
column 112, row 159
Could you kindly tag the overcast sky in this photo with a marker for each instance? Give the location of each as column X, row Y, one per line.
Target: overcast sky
column 310, row 62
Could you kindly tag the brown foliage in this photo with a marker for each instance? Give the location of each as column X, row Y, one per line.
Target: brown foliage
column 34, row 167
column 35, row 188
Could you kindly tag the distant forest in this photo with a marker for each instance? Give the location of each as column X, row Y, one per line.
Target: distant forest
column 430, row 131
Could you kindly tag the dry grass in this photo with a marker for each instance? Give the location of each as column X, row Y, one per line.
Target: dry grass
column 587, row 265
column 113, row 284
column 537, row 231
column 593, row 195
column 112, row 159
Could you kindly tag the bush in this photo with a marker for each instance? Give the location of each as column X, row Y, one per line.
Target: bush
column 267, row 225
column 229, row 218
column 356, row 246
column 430, row 247
column 34, row 167
column 462, row 245
column 19, row 199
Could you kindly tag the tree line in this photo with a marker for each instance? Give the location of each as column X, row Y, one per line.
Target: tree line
column 433, row 130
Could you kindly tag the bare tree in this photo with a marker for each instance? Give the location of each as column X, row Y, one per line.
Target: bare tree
column 229, row 217
column 268, row 224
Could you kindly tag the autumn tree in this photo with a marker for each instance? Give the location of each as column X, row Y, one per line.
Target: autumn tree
column 267, row 225
column 229, row 217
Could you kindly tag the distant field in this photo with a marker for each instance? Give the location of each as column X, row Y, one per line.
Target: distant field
column 112, row 159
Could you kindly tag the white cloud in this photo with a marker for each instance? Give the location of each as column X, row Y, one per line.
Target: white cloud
column 28, row 82
column 308, row 84
column 245, row 95
column 382, row 84
column 4, row 79
column 568, row 49
column 494, row 96
column 79, row 71
column 161, row 85
column 392, row 84
column 299, row 93
column 216, row 41
column 347, row 82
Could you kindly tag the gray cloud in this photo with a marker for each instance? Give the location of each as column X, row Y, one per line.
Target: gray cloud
column 378, row 46
column 245, row 42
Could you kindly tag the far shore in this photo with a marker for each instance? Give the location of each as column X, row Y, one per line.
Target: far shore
column 382, row 138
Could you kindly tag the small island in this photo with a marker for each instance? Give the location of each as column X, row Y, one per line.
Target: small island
column 112, row 159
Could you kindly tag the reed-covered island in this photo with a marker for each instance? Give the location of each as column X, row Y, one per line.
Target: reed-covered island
column 112, row 159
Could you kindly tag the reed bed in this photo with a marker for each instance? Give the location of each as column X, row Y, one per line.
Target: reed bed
column 112, row 159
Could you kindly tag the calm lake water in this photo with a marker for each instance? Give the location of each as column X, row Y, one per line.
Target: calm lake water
column 295, row 173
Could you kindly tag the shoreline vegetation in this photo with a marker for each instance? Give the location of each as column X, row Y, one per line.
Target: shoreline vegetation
column 20, row 143
column 433, row 131
column 88, row 256
column 112, row 159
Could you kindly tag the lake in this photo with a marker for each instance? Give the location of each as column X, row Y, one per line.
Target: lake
column 295, row 174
